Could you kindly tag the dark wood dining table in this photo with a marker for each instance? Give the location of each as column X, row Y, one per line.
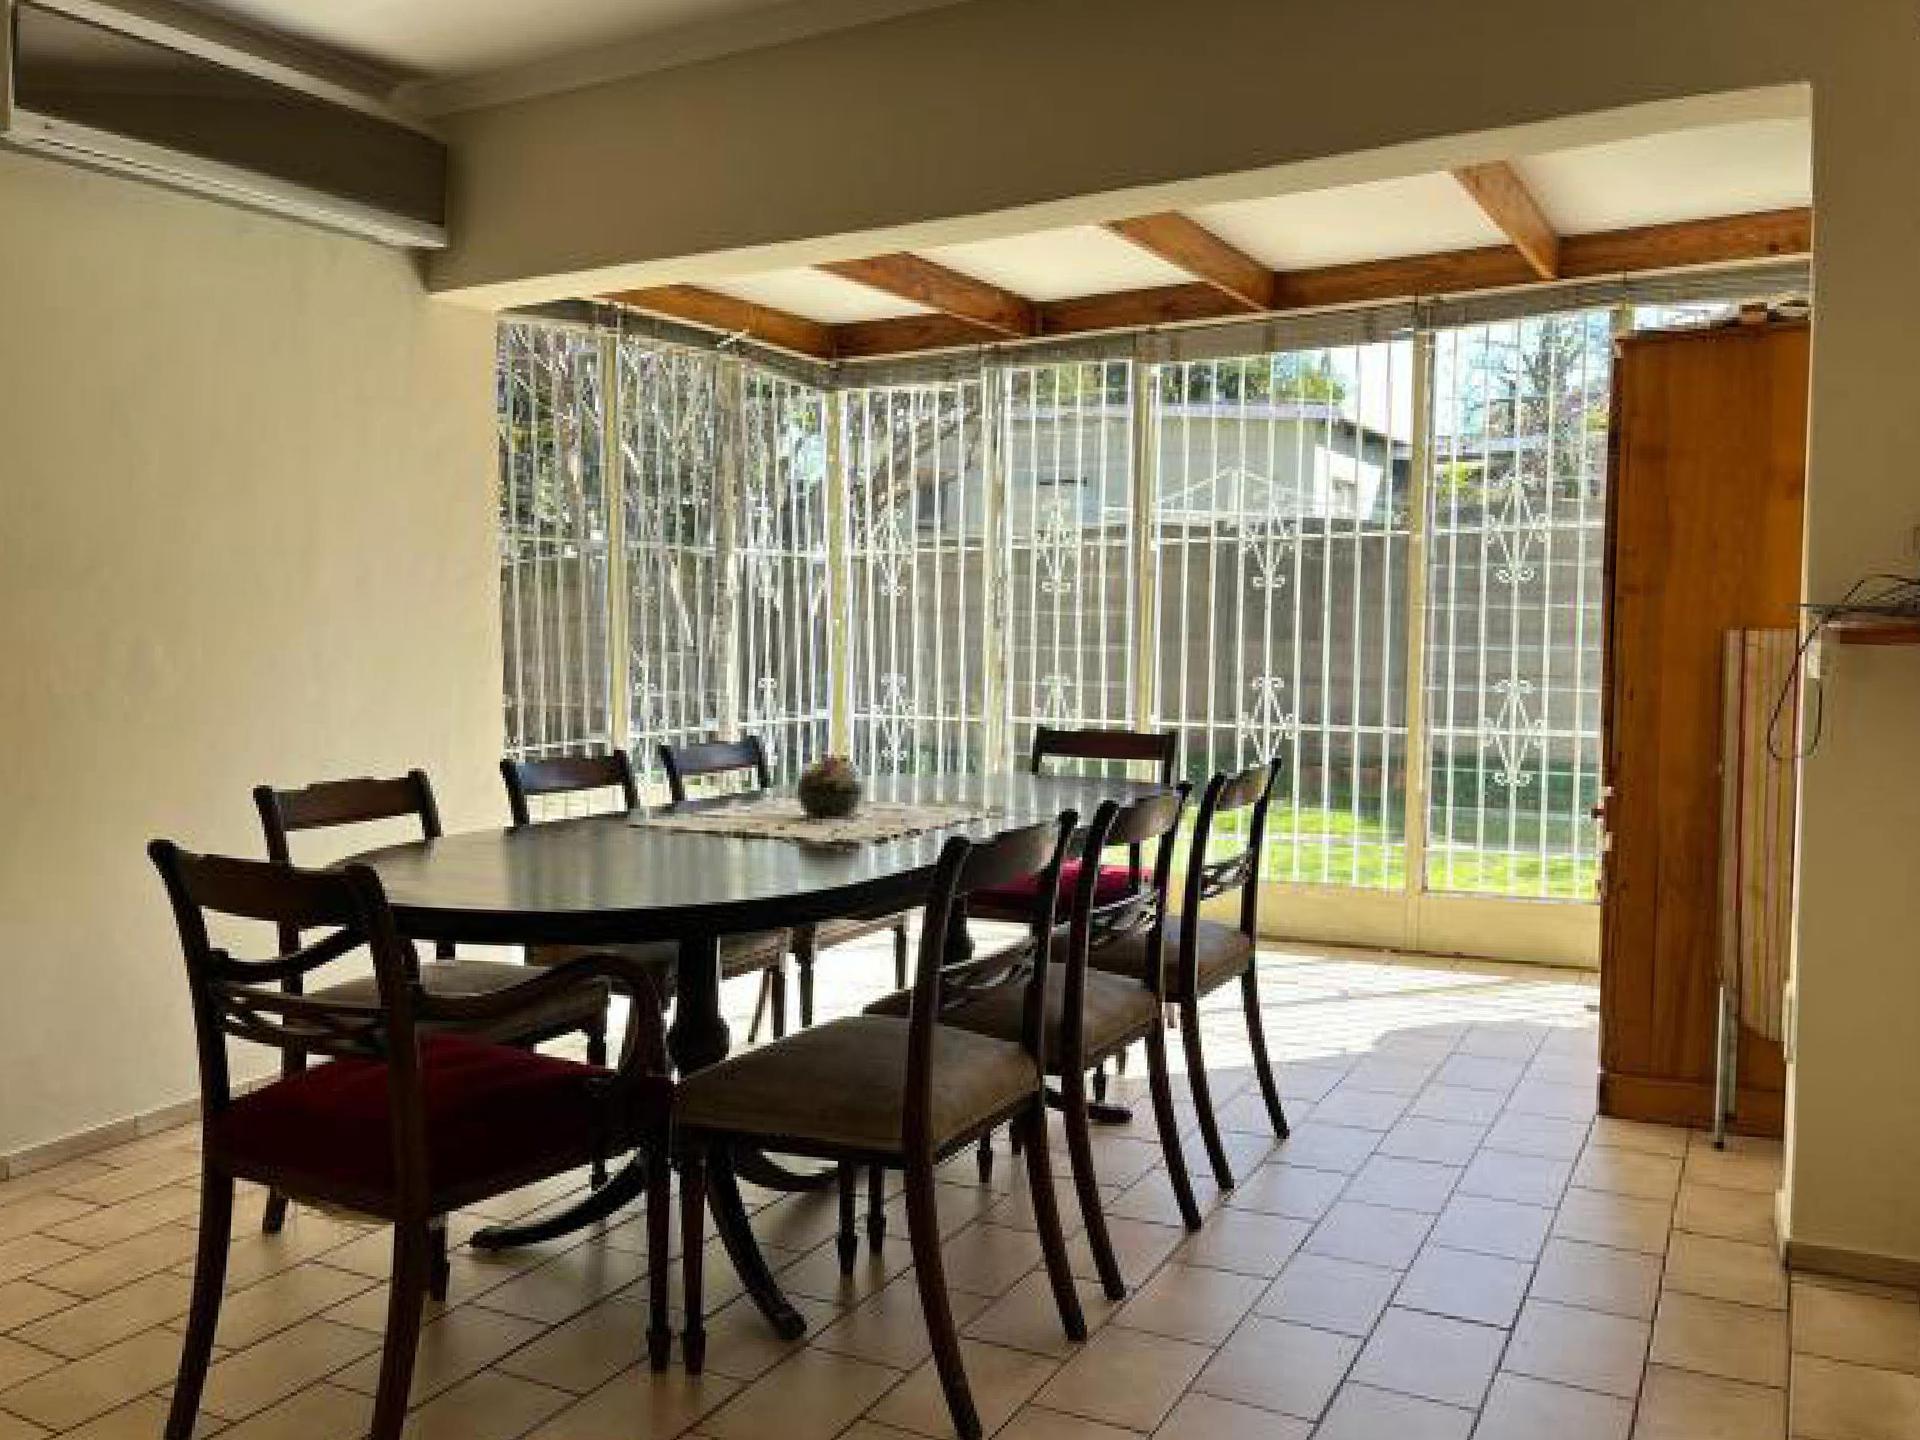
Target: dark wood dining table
column 617, row 879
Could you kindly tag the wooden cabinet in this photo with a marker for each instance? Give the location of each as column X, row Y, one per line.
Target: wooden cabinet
column 1705, row 519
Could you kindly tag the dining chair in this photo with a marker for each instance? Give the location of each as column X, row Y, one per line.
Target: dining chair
column 1093, row 1015
column 1199, row 956
column 898, row 1093
column 743, row 763
column 760, row 953
column 401, row 1122
column 330, row 804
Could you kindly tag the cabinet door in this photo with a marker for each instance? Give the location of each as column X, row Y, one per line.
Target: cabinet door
column 1704, row 535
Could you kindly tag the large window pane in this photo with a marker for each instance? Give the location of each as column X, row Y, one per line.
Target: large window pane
column 1280, row 529
column 1518, row 503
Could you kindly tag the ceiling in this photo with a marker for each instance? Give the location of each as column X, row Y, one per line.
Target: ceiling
column 1714, row 171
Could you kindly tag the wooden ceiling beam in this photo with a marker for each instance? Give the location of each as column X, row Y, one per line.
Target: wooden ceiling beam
column 1680, row 245
column 1188, row 245
column 1499, row 191
column 731, row 315
column 946, row 292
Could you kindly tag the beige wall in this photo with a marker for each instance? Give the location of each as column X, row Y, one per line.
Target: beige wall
column 996, row 115
column 245, row 535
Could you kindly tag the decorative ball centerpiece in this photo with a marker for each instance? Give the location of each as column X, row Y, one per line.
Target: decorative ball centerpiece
column 829, row 789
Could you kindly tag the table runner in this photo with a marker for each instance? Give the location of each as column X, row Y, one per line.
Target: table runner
column 779, row 817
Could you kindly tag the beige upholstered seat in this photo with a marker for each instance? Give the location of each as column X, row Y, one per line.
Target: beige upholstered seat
column 1117, row 1008
column 568, row 1010
column 842, row 1084
column 1224, row 953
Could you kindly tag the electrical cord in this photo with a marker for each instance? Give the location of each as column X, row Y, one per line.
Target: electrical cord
column 1896, row 592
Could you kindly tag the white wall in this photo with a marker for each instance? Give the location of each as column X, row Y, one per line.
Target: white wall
column 246, row 535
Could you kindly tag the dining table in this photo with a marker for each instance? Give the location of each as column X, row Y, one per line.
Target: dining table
column 632, row 877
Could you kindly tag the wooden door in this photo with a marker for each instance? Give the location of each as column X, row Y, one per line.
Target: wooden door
column 1705, row 518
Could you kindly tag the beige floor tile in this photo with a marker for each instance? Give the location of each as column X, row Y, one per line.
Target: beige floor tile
column 1440, row 1142
column 890, row 1328
column 24, row 1301
column 1321, row 1145
column 254, row 1378
column 1557, row 1101
column 131, row 1217
column 1360, row 1412
column 40, row 1214
column 308, row 1234
column 1025, row 1318
column 812, row 1395
column 1735, row 1270
column 1188, row 1302
column 461, row 1342
column 1528, row 1179
column 143, row 1419
column 1150, row 1198
column 1737, row 1342
column 68, row 1395
column 1862, row 1329
column 12, row 1427
column 1730, row 1214
column 1036, row 1423
column 1206, row 1417
column 1246, row 1241
column 1404, row 1184
column 989, row 1259
column 1624, row 1222
column 1571, row 1346
column 32, row 1253
column 20, row 1362
column 1279, row 1366
column 1000, row 1379
column 111, row 1184
column 1125, row 1377
column 740, row 1344
column 1521, row 1408
column 639, row 1405
column 286, row 1299
column 588, row 1350
column 1487, row 1289
column 1538, row 1135
column 1598, row 1277
column 319, row 1412
column 1459, row 1103
column 1493, row 1227
column 1330, row 1294
column 94, row 1324
column 1291, row 1190
column 1139, row 1248
column 1640, row 1135
column 1360, row 1109
column 1745, row 1165
column 818, row 1273
column 568, row 1284
column 1831, row 1400
column 1685, row 1405
column 1370, row 1234
column 487, row 1406
column 95, row 1272
column 1628, row 1172
column 1481, row 1072
column 1431, row 1356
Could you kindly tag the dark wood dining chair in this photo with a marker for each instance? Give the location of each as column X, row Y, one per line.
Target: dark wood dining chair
column 898, row 1093
column 760, row 953
column 1093, row 1015
column 1200, row 956
column 399, row 1122
column 742, row 764
column 330, row 804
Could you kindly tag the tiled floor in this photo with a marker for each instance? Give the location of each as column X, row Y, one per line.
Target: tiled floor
column 1450, row 1245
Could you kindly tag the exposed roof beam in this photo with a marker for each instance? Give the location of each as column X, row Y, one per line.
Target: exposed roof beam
column 733, row 316
column 1675, row 246
column 1498, row 190
column 1187, row 245
column 908, row 277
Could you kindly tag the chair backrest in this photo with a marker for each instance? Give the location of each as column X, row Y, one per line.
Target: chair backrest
column 745, row 758
column 244, row 998
column 571, row 775
column 1093, row 923
column 1033, row 852
column 1249, row 791
column 1159, row 748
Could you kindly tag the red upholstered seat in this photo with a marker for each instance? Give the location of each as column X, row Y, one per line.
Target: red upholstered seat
column 491, row 1110
column 1017, row 898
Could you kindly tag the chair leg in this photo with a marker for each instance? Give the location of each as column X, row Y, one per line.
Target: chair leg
column 804, row 951
column 1257, row 1037
column 1202, row 1095
column 659, row 1218
column 1046, row 1219
column 203, row 1318
column 1171, row 1151
column 876, row 1206
column 1086, row 1184
column 900, row 951
column 848, row 1240
column 439, row 1269
column 760, row 1006
column 693, row 1244
column 777, row 999
column 929, row 1271
column 407, row 1294
column 983, row 1157
column 273, row 1218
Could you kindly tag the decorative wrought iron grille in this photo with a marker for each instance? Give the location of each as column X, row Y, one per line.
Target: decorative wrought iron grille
column 917, row 553
column 1517, row 505
column 1280, row 535
column 553, row 541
